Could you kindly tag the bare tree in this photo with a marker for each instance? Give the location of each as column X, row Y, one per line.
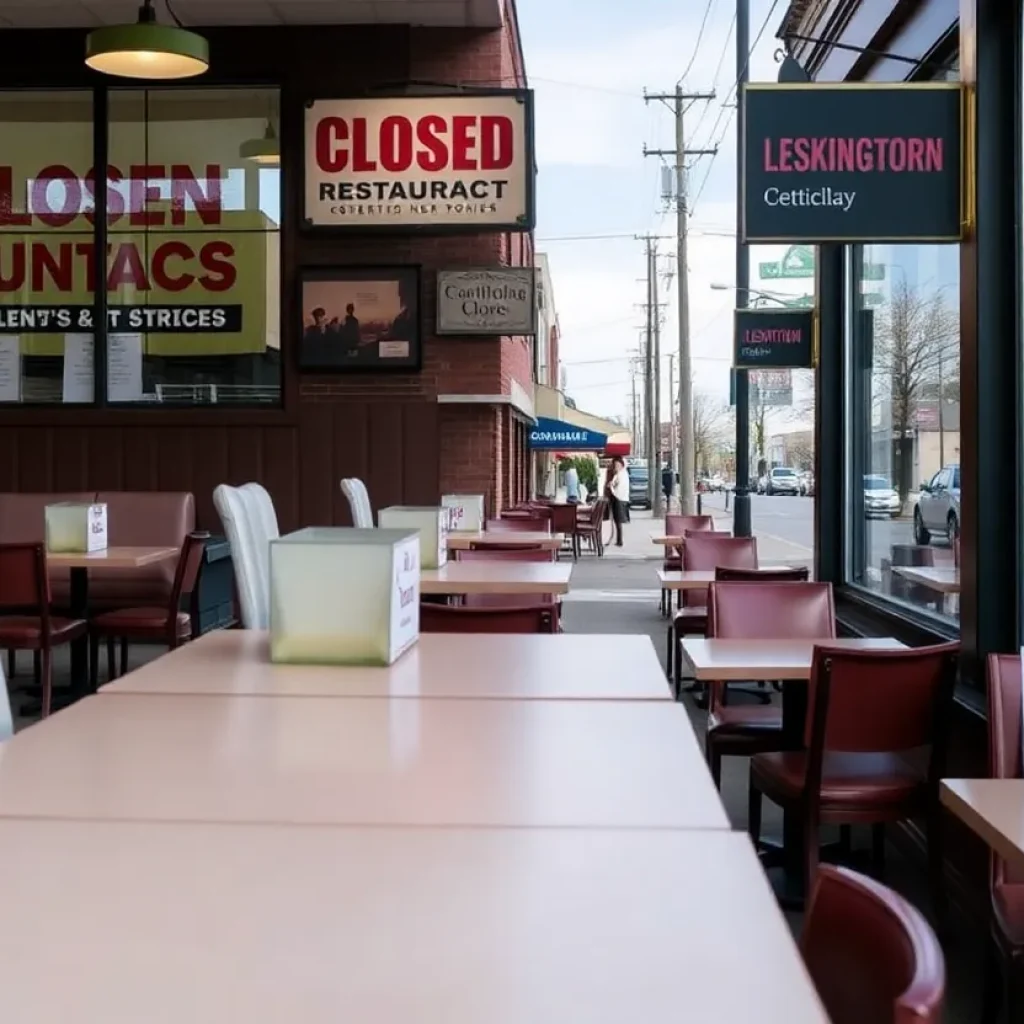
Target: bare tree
column 710, row 429
column 916, row 353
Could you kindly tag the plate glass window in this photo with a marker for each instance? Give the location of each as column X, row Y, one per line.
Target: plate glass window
column 194, row 242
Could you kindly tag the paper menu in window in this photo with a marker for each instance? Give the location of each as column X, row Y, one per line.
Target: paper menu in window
column 124, row 368
column 10, row 368
column 78, row 368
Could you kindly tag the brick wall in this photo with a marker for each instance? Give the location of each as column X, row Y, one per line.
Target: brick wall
column 471, row 452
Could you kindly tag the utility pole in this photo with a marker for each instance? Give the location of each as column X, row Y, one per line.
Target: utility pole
column 649, row 363
column 654, row 466
column 679, row 102
column 672, row 427
column 741, row 522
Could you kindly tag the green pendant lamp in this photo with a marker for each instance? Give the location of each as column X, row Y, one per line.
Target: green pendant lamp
column 265, row 151
column 147, row 49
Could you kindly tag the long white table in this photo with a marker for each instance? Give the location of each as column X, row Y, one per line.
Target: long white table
column 455, row 665
column 992, row 808
column 313, row 760
column 207, row 924
column 497, row 577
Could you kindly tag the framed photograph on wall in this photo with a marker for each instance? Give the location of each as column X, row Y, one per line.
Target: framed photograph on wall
column 360, row 319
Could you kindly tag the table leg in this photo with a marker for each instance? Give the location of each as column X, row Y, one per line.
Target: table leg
column 80, row 648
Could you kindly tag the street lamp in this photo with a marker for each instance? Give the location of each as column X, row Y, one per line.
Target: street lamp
column 718, row 286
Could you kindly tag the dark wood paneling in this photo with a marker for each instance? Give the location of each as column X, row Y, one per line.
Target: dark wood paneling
column 393, row 446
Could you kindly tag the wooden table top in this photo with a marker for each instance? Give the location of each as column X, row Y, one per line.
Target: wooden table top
column 497, row 577
column 994, row 809
column 111, row 558
column 562, row 666
column 313, row 760
column 205, row 924
column 506, row 538
column 738, row 660
column 944, row 580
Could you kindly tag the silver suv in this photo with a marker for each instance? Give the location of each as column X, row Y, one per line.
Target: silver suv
column 938, row 507
column 783, row 480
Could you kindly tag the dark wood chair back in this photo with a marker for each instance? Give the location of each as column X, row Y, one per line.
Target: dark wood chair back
column 440, row 618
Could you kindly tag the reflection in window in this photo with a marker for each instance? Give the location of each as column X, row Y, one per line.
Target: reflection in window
column 905, row 421
column 194, row 266
column 47, row 250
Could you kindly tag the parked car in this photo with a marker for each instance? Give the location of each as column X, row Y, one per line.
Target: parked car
column 880, row 497
column 938, row 506
column 717, row 483
column 783, row 480
column 639, row 494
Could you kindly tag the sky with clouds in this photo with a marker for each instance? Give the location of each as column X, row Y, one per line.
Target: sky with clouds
column 589, row 74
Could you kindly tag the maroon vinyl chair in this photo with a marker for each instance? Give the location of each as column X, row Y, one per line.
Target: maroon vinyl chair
column 519, row 524
column 26, row 623
column 872, row 956
column 1005, row 976
column 871, row 716
column 678, row 526
column 703, row 551
column 589, row 526
column 758, row 610
column 490, row 554
column 152, row 625
column 496, row 553
column 563, row 521
column 440, row 618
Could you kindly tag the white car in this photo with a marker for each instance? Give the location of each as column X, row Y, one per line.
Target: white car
column 880, row 497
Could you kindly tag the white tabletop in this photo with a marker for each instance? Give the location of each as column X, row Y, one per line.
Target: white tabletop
column 497, row 577
column 205, row 924
column 504, row 538
column 736, row 660
column 313, row 760
column 943, row 579
column 994, row 809
column 569, row 666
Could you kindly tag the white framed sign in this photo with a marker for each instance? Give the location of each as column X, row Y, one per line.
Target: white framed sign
column 445, row 163
column 487, row 301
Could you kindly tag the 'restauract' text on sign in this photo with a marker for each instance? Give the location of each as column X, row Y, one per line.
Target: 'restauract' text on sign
column 420, row 161
column 774, row 339
column 849, row 163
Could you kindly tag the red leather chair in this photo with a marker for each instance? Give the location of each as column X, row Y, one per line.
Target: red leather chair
column 873, row 957
column 678, row 526
column 1006, row 958
column 25, row 592
column 589, row 526
column 520, row 524
column 758, row 610
column 490, row 554
column 563, row 521
column 870, row 716
column 151, row 625
column 703, row 551
column 440, row 618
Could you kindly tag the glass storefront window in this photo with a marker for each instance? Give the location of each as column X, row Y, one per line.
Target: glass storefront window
column 904, row 468
column 47, row 250
column 194, row 264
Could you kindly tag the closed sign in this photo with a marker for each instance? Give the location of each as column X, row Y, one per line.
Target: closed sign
column 495, row 301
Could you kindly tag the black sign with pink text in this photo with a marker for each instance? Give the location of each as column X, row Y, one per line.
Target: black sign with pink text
column 853, row 163
column 774, row 339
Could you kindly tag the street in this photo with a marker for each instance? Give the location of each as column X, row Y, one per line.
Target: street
column 784, row 527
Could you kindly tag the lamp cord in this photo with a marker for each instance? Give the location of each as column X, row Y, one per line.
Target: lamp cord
column 171, row 12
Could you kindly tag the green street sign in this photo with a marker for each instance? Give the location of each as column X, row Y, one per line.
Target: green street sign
column 872, row 300
column 872, row 272
column 797, row 263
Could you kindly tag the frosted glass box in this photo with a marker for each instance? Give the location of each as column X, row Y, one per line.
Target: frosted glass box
column 76, row 527
column 430, row 521
column 467, row 511
column 341, row 596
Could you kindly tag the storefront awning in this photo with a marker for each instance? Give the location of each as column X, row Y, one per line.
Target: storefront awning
column 557, row 435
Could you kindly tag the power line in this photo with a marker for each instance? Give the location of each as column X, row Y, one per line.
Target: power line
column 718, row 72
column 708, row 8
column 725, row 102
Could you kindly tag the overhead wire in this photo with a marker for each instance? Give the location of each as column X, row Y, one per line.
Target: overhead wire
column 708, row 8
column 732, row 110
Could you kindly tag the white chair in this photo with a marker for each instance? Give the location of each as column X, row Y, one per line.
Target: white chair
column 6, row 721
column 238, row 512
column 359, row 502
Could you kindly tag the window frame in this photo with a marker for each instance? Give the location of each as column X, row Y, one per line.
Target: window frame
column 101, row 410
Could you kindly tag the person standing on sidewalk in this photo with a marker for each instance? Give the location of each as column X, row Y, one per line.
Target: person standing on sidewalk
column 617, row 489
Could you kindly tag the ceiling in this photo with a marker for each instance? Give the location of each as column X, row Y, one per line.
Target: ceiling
column 90, row 13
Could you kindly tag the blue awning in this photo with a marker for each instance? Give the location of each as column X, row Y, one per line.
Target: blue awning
column 557, row 435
